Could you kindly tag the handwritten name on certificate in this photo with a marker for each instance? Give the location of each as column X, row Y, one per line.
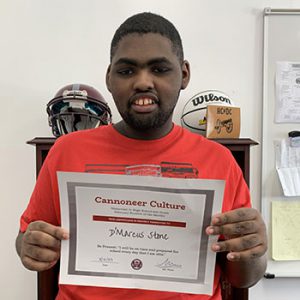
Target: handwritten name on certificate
column 138, row 231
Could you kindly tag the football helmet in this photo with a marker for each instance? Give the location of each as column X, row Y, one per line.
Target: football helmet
column 77, row 107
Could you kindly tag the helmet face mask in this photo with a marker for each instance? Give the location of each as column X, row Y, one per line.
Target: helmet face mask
column 77, row 107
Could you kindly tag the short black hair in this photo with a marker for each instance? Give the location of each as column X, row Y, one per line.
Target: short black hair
column 147, row 22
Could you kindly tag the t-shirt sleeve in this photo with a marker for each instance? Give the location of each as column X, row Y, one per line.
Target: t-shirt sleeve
column 41, row 205
column 236, row 194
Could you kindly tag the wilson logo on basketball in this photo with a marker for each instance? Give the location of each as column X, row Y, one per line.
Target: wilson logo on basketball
column 193, row 116
column 209, row 98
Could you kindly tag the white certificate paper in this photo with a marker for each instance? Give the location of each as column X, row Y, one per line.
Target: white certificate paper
column 138, row 231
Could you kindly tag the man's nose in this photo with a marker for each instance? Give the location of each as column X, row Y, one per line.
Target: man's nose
column 144, row 81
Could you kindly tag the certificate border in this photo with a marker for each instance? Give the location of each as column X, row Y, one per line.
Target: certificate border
column 71, row 190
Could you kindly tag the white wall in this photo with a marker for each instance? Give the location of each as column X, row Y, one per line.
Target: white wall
column 47, row 44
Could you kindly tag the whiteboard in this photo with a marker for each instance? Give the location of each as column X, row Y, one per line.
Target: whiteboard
column 281, row 43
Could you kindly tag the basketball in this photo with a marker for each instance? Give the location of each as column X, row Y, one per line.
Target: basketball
column 193, row 115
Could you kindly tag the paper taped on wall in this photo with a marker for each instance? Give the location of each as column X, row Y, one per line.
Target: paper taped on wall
column 285, row 230
column 288, row 167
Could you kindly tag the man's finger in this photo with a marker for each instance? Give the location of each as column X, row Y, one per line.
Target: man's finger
column 55, row 231
column 233, row 216
column 235, row 229
column 248, row 255
column 40, row 254
column 238, row 244
column 35, row 265
column 41, row 239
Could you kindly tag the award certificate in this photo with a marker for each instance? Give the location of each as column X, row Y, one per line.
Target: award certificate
column 138, row 231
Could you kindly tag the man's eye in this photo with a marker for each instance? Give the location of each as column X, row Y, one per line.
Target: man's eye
column 160, row 69
column 125, row 72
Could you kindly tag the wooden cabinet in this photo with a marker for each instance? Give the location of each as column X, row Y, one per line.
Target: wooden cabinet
column 47, row 280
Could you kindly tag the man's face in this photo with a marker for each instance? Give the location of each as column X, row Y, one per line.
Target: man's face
column 145, row 78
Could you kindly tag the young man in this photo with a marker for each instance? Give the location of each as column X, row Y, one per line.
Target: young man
column 145, row 76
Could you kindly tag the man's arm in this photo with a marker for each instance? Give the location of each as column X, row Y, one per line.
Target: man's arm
column 39, row 246
column 243, row 252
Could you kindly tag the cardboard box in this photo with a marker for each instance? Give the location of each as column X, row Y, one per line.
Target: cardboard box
column 222, row 122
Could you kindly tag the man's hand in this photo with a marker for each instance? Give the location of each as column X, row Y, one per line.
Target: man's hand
column 245, row 241
column 244, row 232
column 39, row 246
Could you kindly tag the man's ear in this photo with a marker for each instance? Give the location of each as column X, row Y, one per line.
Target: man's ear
column 186, row 74
column 107, row 78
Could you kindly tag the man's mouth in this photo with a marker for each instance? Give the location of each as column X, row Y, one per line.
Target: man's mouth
column 144, row 104
column 144, row 101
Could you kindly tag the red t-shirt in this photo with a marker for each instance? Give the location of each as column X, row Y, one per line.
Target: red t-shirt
column 103, row 150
